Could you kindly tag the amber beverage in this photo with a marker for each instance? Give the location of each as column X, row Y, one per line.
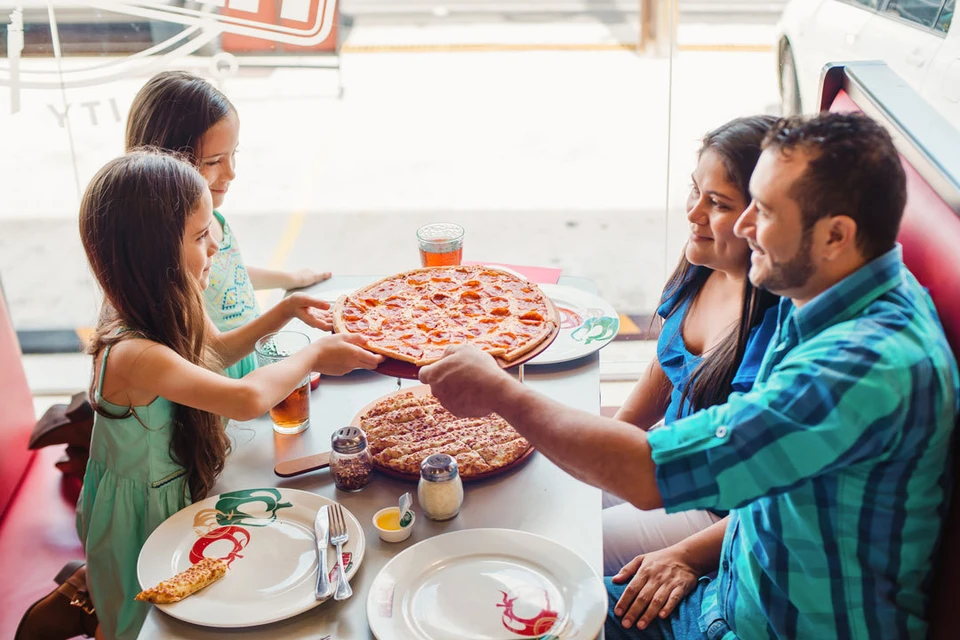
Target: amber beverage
column 293, row 412
column 441, row 244
column 431, row 259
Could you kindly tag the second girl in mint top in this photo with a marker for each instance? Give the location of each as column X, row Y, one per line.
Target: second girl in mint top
column 231, row 300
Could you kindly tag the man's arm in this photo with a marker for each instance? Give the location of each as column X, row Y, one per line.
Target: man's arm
column 605, row 453
column 830, row 404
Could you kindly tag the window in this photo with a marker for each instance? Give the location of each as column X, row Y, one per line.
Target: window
column 946, row 16
column 922, row 12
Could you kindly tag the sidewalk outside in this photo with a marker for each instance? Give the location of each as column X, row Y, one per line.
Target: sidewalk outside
column 546, row 157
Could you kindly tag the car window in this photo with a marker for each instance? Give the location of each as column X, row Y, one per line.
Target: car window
column 872, row 4
column 946, row 16
column 922, row 12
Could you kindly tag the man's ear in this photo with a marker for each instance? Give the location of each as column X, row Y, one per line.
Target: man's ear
column 841, row 235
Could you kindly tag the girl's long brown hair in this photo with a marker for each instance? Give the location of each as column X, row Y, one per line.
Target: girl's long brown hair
column 132, row 222
column 738, row 144
column 173, row 110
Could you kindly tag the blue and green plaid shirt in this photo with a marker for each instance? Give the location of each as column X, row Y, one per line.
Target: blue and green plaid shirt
column 834, row 466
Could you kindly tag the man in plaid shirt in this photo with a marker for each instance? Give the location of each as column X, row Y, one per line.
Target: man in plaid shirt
column 835, row 465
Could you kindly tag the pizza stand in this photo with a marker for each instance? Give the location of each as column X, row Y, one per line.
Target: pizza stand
column 534, row 496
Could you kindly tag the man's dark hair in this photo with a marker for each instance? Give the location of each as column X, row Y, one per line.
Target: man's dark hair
column 854, row 171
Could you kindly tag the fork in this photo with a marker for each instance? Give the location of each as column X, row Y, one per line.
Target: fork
column 338, row 537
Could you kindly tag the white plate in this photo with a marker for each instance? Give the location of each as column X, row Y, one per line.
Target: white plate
column 488, row 584
column 269, row 534
column 587, row 323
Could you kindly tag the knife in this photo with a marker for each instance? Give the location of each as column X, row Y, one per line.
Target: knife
column 321, row 526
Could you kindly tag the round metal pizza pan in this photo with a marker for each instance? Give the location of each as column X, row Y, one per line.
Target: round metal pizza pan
column 423, row 390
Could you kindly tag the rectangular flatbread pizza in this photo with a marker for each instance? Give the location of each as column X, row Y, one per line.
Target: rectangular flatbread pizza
column 185, row 583
column 400, row 442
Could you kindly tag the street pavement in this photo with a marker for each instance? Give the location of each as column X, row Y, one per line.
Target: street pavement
column 576, row 158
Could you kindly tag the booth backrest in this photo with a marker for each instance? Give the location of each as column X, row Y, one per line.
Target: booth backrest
column 16, row 412
column 930, row 235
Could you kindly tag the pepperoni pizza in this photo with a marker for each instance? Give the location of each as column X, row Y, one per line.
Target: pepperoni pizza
column 414, row 316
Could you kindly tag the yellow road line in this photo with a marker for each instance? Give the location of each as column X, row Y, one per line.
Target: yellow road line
column 506, row 47
column 84, row 333
column 282, row 252
column 627, row 325
column 280, row 255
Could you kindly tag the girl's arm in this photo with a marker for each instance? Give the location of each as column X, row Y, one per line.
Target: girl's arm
column 151, row 369
column 273, row 279
column 235, row 344
column 648, row 401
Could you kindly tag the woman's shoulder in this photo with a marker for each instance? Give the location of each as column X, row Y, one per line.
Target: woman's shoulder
column 675, row 294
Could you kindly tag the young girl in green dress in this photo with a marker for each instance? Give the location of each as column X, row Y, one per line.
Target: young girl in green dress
column 180, row 112
column 158, row 437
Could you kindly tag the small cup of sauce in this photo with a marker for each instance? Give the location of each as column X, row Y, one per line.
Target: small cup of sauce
column 387, row 523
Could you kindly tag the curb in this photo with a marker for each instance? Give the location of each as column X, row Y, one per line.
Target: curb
column 49, row 341
column 61, row 341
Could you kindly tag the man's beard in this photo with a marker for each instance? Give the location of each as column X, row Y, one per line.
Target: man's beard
column 793, row 274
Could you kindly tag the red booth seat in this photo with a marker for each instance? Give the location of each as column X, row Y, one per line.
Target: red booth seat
column 930, row 235
column 37, row 531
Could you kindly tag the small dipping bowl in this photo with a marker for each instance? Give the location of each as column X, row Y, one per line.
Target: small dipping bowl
column 392, row 535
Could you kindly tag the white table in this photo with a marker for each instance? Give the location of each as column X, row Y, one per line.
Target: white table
column 537, row 497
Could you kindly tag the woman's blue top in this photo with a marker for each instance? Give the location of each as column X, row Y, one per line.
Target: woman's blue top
column 679, row 364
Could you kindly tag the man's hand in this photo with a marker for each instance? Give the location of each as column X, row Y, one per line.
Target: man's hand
column 305, row 278
column 314, row 312
column 660, row 580
column 342, row 353
column 467, row 381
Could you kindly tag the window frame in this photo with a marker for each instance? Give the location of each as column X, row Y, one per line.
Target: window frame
column 885, row 4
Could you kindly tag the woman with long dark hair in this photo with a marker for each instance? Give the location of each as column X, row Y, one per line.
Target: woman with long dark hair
column 715, row 329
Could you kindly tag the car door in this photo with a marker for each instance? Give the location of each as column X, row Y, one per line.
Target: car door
column 903, row 34
column 832, row 35
column 941, row 87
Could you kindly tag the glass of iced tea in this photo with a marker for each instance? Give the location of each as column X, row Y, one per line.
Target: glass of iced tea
column 441, row 244
column 292, row 415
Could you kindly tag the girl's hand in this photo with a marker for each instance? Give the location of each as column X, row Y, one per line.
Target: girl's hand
column 660, row 580
column 305, row 278
column 342, row 353
column 313, row 312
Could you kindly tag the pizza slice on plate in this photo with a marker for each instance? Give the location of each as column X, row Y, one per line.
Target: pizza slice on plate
column 185, row 583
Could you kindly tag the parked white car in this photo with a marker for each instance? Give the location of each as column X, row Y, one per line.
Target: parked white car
column 912, row 36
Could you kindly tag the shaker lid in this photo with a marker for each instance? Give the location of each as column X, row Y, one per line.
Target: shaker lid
column 348, row 440
column 438, row 468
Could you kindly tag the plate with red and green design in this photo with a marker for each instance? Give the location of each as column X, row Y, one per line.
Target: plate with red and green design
column 587, row 324
column 266, row 537
column 487, row 584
